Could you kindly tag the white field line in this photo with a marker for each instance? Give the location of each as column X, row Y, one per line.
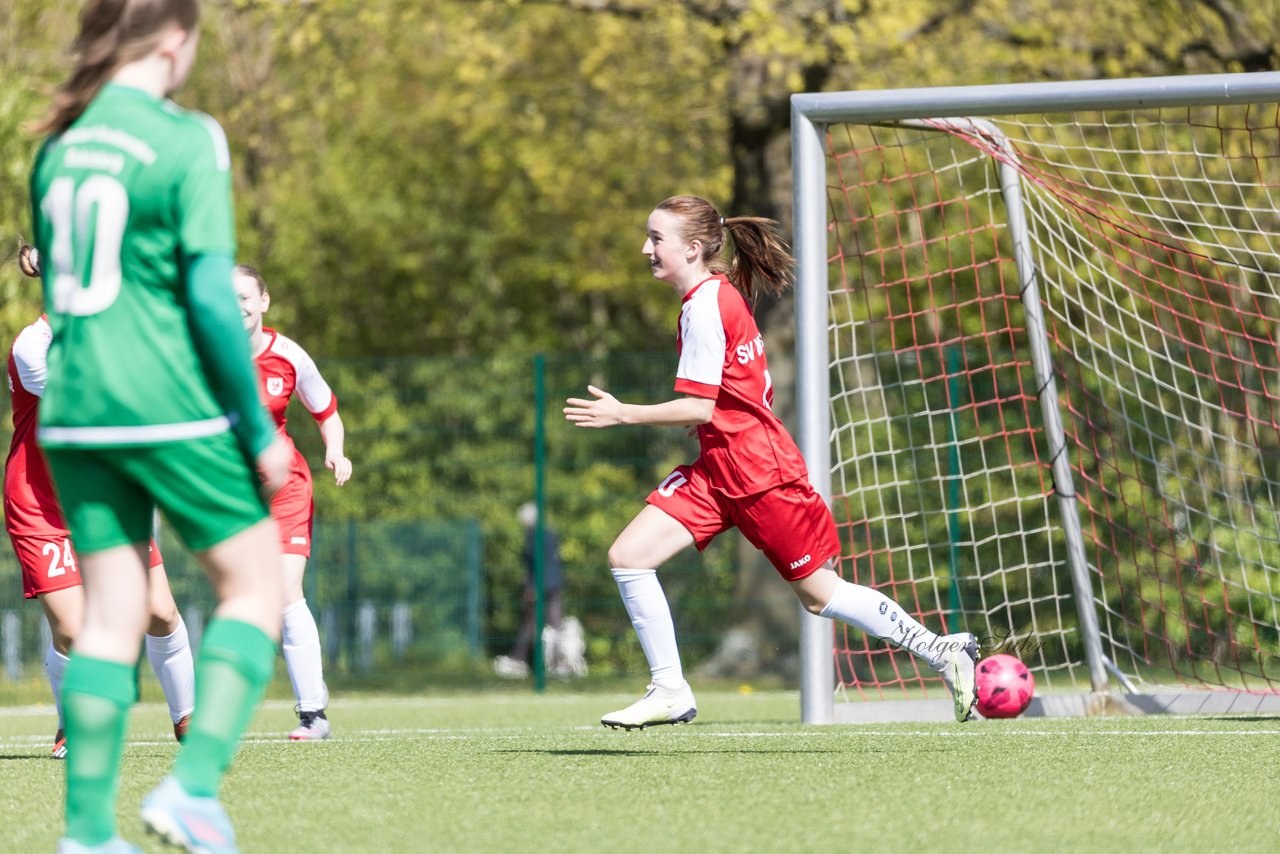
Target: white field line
column 507, row 734
column 973, row 733
column 358, row 701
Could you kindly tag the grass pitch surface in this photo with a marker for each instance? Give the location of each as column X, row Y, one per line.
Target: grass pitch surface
column 503, row 772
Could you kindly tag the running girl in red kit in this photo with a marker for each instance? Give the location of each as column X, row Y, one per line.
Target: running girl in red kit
column 285, row 369
column 749, row 475
column 42, row 543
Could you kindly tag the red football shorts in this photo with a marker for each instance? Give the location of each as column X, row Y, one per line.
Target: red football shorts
column 49, row 563
column 791, row 523
column 294, row 511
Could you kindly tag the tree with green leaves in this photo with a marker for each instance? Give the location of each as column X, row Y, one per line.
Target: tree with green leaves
column 469, row 179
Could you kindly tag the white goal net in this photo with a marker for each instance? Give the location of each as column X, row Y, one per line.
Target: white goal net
column 1053, row 369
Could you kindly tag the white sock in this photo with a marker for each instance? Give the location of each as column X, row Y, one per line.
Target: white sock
column 300, row 643
column 170, row 658
column 878, row 615
column 651, row 615
column 550, row 647
column 55, row 664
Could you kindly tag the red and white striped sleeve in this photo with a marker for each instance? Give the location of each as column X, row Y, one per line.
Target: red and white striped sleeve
column 309, row 386
column 702, row 343
column 31, row 356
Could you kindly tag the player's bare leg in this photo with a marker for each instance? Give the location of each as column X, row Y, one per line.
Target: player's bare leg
column 651, row 539
column 953, row 656
column 235, row 663
column 300, row 643
column 64, row 611
column 167, row 648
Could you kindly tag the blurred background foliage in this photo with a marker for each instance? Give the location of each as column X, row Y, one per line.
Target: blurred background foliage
column 436, row 191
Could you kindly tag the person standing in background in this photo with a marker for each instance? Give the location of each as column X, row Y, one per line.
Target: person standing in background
column 563, row 645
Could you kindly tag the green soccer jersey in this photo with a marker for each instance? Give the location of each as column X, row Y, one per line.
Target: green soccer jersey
column 123, row 200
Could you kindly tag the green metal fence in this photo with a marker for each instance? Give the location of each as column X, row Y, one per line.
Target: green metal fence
column 417, row 563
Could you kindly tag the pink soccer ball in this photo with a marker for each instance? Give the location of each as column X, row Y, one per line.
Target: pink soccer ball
column 1005, row 687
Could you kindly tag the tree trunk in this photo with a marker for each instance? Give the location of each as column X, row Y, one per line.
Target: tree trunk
column 764, row 633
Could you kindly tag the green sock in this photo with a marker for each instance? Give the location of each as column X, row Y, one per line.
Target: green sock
column 96, row 696
column 231, row 676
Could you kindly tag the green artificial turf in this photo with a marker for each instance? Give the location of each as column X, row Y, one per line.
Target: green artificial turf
column 509, row 772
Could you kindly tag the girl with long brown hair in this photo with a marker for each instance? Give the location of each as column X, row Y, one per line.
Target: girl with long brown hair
column 749, row 475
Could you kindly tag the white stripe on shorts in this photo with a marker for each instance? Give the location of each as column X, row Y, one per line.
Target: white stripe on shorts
column 138, row 434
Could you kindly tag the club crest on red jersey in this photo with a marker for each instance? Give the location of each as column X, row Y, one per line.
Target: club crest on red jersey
column 275, row 386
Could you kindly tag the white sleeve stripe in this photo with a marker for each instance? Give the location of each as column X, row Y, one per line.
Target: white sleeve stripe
column 310, row 387
column 221, row 151
column 702, row 338
column 30, row 357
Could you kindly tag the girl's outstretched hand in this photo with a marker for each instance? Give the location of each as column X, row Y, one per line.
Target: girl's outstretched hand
column 604, row 411
column 339, row 465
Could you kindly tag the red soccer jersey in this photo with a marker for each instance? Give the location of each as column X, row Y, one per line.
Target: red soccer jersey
column 745, row 448
column 285, row 368
column 30, row 503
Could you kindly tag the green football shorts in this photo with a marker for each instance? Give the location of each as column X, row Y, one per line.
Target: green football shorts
column 204, row 488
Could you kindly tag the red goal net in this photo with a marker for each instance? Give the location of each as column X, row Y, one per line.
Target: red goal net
column 1155, row 236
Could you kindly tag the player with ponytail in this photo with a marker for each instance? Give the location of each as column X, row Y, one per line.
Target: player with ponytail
column 749, row 475
column 151, row 402
column 115, row 33
column 42, row 544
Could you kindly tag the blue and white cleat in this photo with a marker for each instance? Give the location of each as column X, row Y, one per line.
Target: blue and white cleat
column 115, row 845
column 312, row 726
column 658, row 706
column 199, row 825
column 958, row 668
